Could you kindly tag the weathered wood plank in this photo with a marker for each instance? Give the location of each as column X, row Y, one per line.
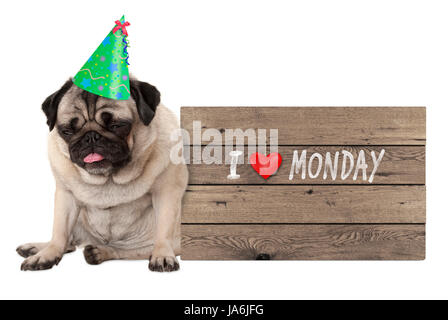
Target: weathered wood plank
column 317, row 125
column 303, row 242
column 400, row 165
column 304, row 204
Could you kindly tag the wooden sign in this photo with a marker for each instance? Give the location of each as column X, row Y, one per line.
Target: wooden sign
column 350, row 186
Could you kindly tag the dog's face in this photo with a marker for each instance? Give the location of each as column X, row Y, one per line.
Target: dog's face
column 97, row 130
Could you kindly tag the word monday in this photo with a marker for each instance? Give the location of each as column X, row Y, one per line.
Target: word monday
column 329, row 167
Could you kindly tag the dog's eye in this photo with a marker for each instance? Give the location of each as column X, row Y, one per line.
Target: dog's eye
column 120, row 128
column 67, row 132
column 115, row 126
column 118, row 125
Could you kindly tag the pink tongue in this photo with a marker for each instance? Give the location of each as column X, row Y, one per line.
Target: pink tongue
column 93, row 157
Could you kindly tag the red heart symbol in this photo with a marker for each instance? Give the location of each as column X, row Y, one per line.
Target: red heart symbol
column 265, row 166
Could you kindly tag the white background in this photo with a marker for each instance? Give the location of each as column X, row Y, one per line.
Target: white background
column 224, row 53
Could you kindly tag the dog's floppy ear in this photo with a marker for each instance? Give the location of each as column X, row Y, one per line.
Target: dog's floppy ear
column 50, row 105
column 147, row 98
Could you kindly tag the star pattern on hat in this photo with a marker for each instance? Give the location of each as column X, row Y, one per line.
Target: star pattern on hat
column 113, row 67
column 86, row 83
column 106, row 41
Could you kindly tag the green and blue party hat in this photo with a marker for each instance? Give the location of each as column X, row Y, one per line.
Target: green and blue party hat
column 106, row 73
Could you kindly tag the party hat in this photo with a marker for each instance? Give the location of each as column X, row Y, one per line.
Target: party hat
column 106, row 72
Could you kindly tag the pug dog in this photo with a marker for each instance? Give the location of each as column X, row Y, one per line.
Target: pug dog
column 118, row 194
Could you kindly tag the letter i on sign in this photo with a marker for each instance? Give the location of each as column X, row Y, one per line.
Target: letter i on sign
column 233, row 164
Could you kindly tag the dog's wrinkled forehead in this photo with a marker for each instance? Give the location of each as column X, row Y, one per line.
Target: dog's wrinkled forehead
column 78, row 103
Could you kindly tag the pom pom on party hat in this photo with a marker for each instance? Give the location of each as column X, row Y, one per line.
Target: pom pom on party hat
column 106, row 72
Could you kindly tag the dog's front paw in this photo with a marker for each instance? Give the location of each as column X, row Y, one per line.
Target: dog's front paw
column 43, row 260
column 163, row 264
column 27, row 250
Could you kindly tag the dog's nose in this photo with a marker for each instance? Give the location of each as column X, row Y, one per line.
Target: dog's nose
column 91, row 137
